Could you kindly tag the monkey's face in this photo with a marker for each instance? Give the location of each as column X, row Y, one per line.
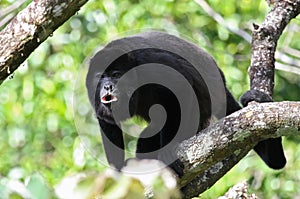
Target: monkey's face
column 106, row 96
column 113, row 95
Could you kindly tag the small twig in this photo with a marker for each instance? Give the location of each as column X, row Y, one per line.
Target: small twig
column 218, row 18
column 6, row 19
column 288, row 63
column 287, row 68
column 11, row 8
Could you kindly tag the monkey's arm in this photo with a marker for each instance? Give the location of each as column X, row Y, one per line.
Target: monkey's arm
column 231, row 105
column 113, row 143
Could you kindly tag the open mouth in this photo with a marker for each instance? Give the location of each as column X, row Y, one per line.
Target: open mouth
column 108, row 98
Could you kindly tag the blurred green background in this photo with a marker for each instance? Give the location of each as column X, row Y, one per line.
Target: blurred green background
column 39, row 141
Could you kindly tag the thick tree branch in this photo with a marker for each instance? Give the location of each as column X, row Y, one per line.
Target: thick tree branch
column 30, row 28
column 264, row 42
column 227, row 141
column 209, row 177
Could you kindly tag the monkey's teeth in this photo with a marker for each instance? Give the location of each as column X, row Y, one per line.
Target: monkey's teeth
column 108, row 99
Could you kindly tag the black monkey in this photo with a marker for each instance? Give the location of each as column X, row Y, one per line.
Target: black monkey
column 155, row 50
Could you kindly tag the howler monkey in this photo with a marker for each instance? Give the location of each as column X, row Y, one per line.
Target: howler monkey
column 140, row 74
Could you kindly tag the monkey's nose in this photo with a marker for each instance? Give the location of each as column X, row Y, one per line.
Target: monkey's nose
column 108, row 87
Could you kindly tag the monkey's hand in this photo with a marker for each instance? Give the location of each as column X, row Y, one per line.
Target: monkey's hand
column 255, row 95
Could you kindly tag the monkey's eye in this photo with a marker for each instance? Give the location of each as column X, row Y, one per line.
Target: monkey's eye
column 116, row 74
column 99, row 75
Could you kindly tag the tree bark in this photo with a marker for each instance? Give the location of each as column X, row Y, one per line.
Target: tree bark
column 30, row 28
column 264, row 42
column 232, row 138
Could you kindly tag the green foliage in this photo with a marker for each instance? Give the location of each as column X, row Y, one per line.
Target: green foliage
column 34, row 187
column 39, row 142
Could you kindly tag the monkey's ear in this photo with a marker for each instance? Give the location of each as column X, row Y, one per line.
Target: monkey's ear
column 131, row 57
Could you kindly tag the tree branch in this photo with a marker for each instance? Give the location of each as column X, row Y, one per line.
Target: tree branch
column 30, row 28
column 264, row 42
column 215, row 150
